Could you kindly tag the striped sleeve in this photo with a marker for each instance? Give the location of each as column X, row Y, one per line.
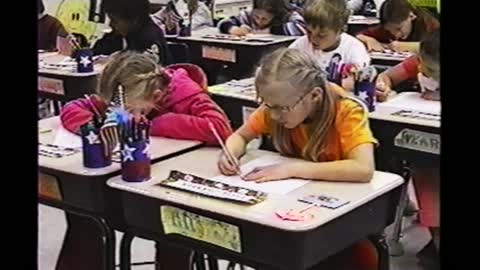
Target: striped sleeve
column 295, row 25
column 243, row 18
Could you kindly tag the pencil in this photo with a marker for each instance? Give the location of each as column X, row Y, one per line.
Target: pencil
column 42, row 131
column 227, row 153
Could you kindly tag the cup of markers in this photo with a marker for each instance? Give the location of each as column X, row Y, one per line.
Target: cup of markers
column 135, row 150
column 84, row 59
column 365, row 86
column 94, row 153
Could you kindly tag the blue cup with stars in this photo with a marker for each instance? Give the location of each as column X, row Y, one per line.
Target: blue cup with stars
column 365, row 91
column 135, row 158
column 94, row 151
column 84, row 58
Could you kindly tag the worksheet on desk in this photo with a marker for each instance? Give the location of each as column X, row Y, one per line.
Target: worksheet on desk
column 412, row 101
column 280, row 187
column 65, row 138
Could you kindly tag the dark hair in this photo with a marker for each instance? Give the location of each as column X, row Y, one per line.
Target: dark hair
column 40, row 6
column 129, row 10
column 331, row 14
column 395, row 11
column 279, row 8
column 430, row 46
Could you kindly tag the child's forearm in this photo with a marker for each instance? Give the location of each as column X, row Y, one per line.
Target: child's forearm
column 344, row 170
column 236, row 144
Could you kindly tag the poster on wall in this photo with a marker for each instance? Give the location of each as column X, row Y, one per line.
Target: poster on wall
column 82, row 17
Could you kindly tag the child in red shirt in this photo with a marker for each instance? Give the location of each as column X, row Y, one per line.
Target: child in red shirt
column 401, row 27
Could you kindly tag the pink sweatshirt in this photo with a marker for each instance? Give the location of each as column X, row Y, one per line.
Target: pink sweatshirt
column 185, row 112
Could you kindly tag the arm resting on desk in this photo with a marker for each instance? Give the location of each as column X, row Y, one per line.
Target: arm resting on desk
column 357, row 167
column 78, row 112
column 226, row 24
column 189, row 121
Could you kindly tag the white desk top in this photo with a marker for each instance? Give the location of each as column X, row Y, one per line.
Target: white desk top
column 203, row 163
column 359, row 19
column 199, row 36
column 159, row 147
column 242, row 89
column 407, row 101
column 55, row 58
column 390, row 56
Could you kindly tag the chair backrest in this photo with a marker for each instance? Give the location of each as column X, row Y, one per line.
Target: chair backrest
column 180, row 52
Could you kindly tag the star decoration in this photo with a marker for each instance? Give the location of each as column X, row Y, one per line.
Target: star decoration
column 92, row 138
column 85, row 61
column 363, row 95
column 146, row 150
column 128, row 153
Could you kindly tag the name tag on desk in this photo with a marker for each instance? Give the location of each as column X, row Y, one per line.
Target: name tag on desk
column 49, row 85
column 418, row 140
column 324, row 201
column 221, row 54
column 179, row 221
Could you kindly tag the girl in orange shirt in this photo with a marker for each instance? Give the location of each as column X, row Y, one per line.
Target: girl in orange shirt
column 311, row 119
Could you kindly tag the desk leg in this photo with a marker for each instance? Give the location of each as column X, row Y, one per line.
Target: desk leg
column 171, row 257
column 212, row 262
column 108, row 244
column 231, row 266
column 396, row 248
column 200, row 261
column 382, row 249
column 125, row 251
column 81, row 248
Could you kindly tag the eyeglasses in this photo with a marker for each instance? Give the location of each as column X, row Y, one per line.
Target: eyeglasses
column 283, row 109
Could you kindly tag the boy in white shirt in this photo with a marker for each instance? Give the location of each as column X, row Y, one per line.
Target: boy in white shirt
column 326, row 21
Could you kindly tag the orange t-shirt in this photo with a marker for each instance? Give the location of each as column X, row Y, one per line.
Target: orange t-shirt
column 350, row 130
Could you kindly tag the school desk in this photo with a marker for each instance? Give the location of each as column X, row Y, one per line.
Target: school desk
column 63, row 84
column 258, row 237
column 358, row 23
column 406, row 139
column 389, row 58
column 241, row 56
column 66, row 184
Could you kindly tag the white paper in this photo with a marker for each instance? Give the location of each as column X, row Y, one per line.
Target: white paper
column 412, row 101
column 65, row 138
column 280, row 187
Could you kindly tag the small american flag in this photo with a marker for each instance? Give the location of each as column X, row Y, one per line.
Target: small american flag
column 365, row 86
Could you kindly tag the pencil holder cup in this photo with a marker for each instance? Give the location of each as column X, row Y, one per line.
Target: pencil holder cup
column 84, row 58
column 135, row 160
column 94, row 155
column 365, row 90
column 185, row 30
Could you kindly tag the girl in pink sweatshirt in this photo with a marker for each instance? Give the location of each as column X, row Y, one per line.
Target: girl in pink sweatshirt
column 174, row 98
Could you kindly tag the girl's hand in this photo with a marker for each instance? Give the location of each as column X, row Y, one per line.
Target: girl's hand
column 225, row 166
column 431, row 95
column 269, row 173
column 383, row 87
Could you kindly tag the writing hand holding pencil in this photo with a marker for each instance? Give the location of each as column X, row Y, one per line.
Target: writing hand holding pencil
column 229, row 164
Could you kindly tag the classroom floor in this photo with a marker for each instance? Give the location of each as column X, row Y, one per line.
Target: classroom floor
column 52, row 229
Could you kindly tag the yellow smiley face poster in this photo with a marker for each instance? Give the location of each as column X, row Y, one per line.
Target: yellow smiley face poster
column 74, row 16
